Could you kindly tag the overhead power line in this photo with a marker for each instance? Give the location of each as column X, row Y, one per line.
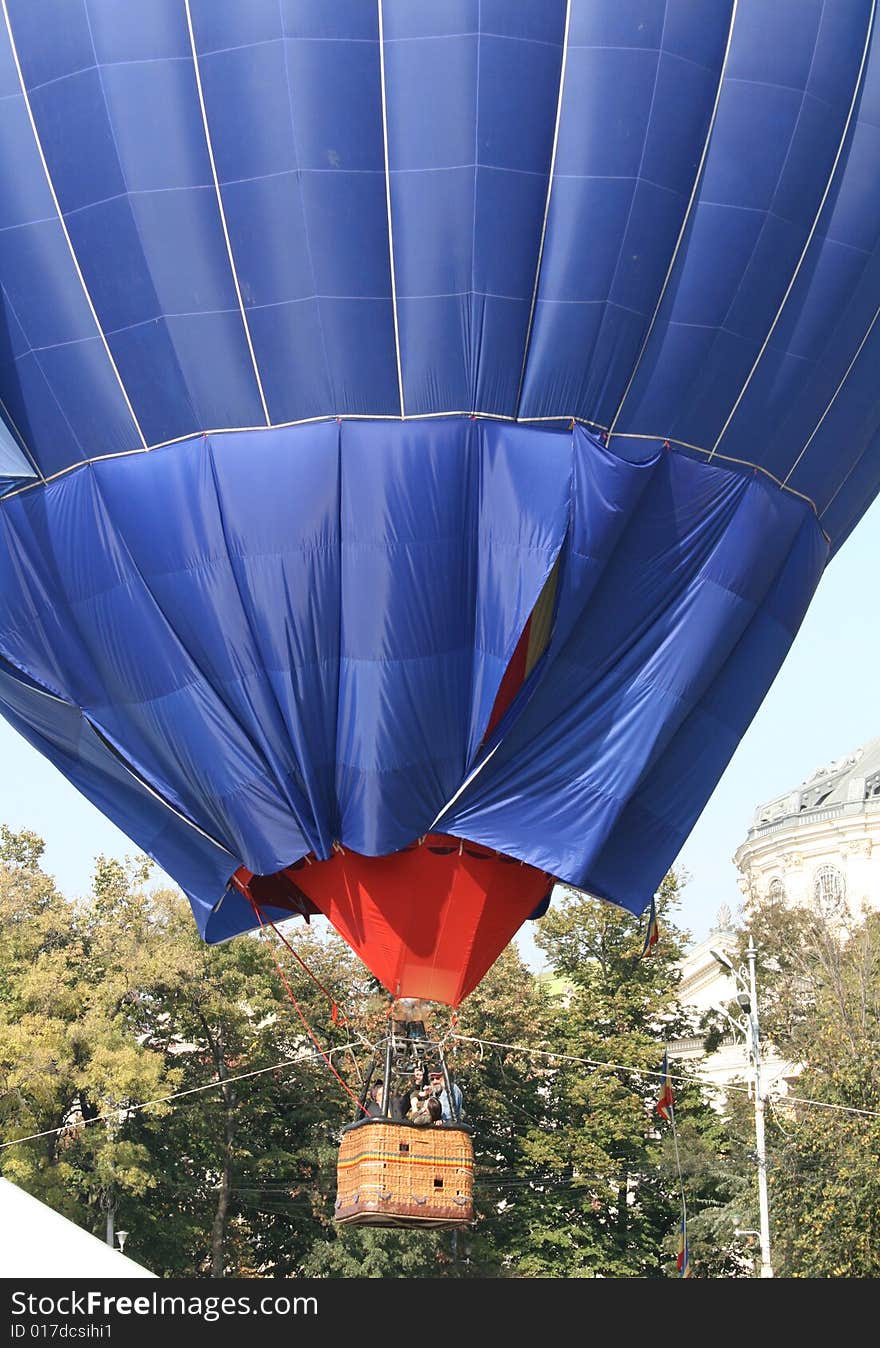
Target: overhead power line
column 299, row 1061
column 302, row 1059
column 648, row 1072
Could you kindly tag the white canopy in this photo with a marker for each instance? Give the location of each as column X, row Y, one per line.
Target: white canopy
column 37, row 1242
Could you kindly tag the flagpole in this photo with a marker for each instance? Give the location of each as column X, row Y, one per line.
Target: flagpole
column 668, row 1103
column 763, row 1199
column 748, row 1000
column 680, row 1184
column 675, row 1145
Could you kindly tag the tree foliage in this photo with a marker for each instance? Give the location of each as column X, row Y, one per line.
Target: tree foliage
column 823, row 978
column 113, row 1002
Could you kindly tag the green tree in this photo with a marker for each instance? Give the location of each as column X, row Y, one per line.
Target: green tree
column 67, row 1052
column 822, row 976
column 247, row 1158
column 116, row 1001
column 618, row 1195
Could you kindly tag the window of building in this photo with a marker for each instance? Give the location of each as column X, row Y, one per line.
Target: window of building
column 829, row 890
column 776, row 891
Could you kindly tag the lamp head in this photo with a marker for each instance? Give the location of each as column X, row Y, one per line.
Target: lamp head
column 721, row 958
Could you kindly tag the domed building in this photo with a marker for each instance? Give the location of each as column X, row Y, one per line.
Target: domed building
column 819, row 844
column 816, row 845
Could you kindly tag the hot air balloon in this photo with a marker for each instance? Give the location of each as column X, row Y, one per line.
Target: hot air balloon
column 425, row 425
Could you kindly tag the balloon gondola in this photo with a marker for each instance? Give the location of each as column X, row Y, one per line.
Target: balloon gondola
column 393, row 1171
column 401, row 1175
column 423, row 430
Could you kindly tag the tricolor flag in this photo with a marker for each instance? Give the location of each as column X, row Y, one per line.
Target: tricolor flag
column 666, row 1101
column 683, row 1262
column 652, row 935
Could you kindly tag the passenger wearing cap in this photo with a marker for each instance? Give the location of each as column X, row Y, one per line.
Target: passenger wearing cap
column 447, row 1115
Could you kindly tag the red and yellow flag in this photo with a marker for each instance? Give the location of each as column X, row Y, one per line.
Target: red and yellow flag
column 652, row 935
column 683, row 1262
column 666, row 1102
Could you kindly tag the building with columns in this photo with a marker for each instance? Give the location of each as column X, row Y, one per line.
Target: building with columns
column 707, row 986
column 816, row 845
column 819, row 844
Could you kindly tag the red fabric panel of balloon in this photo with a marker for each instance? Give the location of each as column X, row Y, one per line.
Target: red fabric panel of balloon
column 427, row 921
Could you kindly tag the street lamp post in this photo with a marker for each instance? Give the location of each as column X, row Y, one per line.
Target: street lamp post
column 747, row 998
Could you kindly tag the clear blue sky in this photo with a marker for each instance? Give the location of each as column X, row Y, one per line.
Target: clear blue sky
column 825, row 702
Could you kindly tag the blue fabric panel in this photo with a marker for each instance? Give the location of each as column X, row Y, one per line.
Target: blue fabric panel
column 286, row 579
column 819, row 394
column 841, row 514
column 249, row 107
column 524, row 494
column 47, row 305
column 698, row 553
column 28, row 399
column 24, row 194
column 53, row 39
column 339, row 146
column 293, row 635
column 627, row 24
column 692, row 271
column 614, row 484
column 666, row 805
column 83, row 630
column 432, row 93
column 518, row 77
column 845, row 424
column 297, row 635
column 752, row 217
column 451, row 530
column 72, row 107
column 636, row 107
column 471, row 118
column 62, row 734
column 155, row 32
column 172, row 196
column 405, row 19
column 348, row 19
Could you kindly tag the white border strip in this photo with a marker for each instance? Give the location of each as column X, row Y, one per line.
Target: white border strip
column 564, row 62
column 474, row 772
column 208, row 142
column 727, row 458
column 800, row 262
column 684, row 224
column 310, row 421
column 192, row 436
column 12, row 673
column 63, row 223
column 142, row 781
column 830, row 502
column 832, row 401
column 388, row 208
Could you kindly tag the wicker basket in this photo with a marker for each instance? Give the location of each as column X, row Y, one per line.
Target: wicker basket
column 400, row 1174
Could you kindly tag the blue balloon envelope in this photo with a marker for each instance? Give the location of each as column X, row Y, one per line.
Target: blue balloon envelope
column 424, row 416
